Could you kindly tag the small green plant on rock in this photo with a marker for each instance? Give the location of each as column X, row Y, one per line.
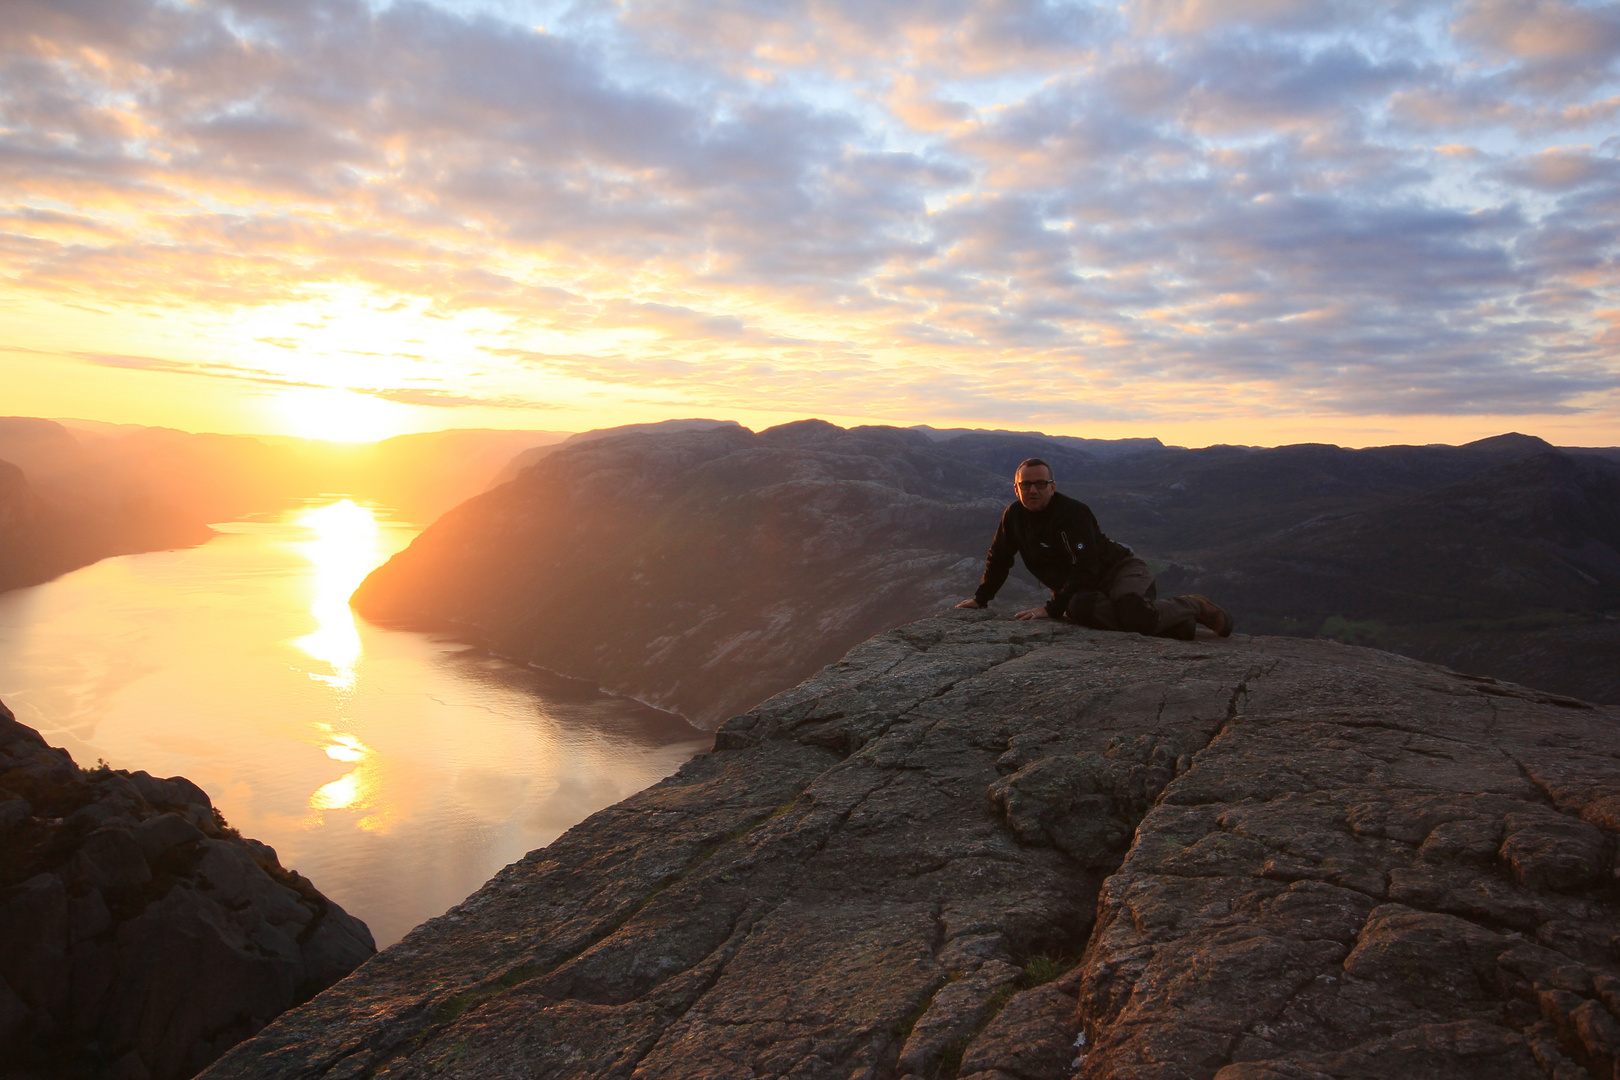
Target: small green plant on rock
column 1041, row 969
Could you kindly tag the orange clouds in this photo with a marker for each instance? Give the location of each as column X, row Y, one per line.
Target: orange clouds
column 1180, row 211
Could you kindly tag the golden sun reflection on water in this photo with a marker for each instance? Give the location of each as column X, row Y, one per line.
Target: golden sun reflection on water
column 359, row 789
column 346, row 748
column 344, row 549
column 340, row 794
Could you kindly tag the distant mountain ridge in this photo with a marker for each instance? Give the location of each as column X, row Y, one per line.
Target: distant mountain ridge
column 1095, row 447
column 1498, row 556
column 1513, row 571
column 701, row 570
column 423, row 475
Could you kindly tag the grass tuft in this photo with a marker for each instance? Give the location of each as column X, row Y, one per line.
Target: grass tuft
column 1041, row 969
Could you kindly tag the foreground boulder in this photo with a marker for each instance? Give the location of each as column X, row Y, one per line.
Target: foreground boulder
column 1025, row 851
column 140, row 937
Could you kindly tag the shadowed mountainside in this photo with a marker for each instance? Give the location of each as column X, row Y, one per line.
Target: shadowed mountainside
column 695, row 569
column 141, row 937
column 995, row 850
column 196, row 477
column 698, row 571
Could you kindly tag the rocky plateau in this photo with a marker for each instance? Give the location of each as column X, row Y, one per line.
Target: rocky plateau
column 999, row 850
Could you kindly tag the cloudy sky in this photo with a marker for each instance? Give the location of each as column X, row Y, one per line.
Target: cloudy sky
column 1250, row 221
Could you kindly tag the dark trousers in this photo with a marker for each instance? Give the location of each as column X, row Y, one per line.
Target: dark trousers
column 1129, row 601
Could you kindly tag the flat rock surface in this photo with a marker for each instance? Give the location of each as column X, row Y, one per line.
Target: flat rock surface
column 978, row 847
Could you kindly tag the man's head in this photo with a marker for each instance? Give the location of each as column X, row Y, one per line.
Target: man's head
column 1034, row 484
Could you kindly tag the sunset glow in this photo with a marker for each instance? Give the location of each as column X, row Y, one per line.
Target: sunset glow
column 338, row 416
column 344, row 549
column 1206, row 221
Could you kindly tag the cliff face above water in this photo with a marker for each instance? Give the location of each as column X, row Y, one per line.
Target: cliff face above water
column 700, row 571
column 1026, row 851
column 140, row 936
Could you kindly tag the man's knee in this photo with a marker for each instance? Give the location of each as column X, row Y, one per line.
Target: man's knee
column 1136, row 613
column 1085, row 608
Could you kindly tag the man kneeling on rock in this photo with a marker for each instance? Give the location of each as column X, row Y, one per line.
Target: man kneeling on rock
column 1094, row 581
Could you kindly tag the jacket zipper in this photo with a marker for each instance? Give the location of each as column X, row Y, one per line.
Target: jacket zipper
column 1069, row 548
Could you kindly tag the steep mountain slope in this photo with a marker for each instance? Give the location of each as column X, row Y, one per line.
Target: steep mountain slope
column 700, row 571
column 29, row 546
column 64, row 505
column 1007, row 851
column 174, row 474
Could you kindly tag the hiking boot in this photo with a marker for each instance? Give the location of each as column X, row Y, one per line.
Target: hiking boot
column 1214, row 616
column 1185, row 630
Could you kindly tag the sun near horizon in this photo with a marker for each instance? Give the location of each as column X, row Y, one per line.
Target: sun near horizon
column 1206, row 223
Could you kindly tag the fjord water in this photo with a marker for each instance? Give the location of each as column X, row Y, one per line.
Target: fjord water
column 396, row 770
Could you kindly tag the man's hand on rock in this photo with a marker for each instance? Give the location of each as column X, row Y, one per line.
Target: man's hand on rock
column 970, row 602
column 1033, row 613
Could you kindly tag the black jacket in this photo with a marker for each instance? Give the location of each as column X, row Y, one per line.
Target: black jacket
column 1061, row 545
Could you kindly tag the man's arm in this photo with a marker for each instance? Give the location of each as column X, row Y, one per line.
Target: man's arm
column 997, row 564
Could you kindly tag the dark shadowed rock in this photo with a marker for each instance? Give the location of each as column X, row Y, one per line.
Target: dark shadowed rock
column 140, row 936
column 1026, row 851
